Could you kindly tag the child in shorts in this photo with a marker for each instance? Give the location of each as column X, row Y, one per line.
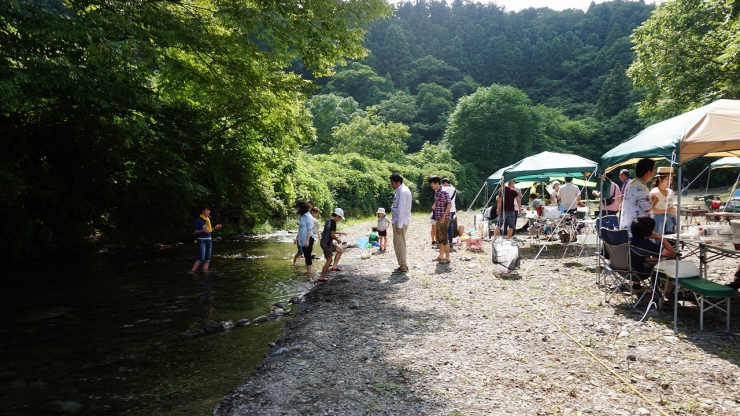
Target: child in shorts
column 383, row 224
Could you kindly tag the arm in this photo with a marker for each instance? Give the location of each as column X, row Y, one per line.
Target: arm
column 519, row 203
column 667, row 247
column 334, row 237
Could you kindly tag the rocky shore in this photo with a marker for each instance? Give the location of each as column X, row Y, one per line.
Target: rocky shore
column 459, row 340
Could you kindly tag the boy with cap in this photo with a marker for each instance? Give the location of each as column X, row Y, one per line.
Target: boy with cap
column 327, row 243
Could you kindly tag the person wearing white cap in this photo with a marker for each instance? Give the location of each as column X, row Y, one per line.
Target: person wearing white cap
column 327, row 243
column 383, row 224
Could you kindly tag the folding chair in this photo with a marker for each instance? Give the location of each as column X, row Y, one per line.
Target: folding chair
column 608, row 222
column 619, row 266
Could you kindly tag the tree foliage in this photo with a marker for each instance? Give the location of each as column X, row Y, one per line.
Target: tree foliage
column 687, row 55
column 370, row 137
column 494, row 127
column 119, row 118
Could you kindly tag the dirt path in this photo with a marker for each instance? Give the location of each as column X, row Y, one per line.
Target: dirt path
column 458, row 340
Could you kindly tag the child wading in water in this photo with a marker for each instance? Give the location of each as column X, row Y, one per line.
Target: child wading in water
column 383, row 224
column 202, row 230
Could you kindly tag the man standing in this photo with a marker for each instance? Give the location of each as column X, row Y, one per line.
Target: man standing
column 637, row 200
column 570, row 195
column 441, row 214
column 401, row 217
column 624, row 176
column 452, row 192
column 507, row 215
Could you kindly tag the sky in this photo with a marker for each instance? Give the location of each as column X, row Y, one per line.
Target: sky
column 516, row 5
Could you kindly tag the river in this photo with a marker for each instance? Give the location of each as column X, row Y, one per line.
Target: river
column 103, row 330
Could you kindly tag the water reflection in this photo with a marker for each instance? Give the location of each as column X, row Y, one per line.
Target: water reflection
column 106, row 334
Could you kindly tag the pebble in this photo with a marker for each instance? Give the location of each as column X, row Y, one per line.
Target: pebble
column 354, row 304
column 623, row 334
column 643, row 411
column 260, row 319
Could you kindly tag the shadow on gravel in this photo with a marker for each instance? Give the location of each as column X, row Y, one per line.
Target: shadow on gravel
column 714, row 339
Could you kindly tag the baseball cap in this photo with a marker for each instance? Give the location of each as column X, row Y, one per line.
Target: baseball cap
column 445, row 180
column 339, row 211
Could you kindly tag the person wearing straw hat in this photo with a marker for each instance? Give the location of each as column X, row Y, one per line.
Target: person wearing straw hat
column 664, row 208
column 382, row 227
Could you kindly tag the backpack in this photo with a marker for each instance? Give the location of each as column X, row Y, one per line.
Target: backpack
column 610, row 200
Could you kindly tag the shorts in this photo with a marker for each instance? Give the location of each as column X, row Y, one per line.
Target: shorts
column 204, row 250
column 507, row 219
column 382, row 233
column 329, row 248
column 300, row 249
column 442, row 226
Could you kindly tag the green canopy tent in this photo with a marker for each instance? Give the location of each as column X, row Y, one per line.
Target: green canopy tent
column 550, row 164
column 712, row 130
column 724, row 163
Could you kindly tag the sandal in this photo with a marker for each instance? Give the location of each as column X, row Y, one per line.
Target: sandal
column 437, row 259
column 324, row 279
column 400, row 270
column 335, row 269
column 443, row 261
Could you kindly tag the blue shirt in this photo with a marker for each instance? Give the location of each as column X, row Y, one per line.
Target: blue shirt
column 305, row 227
column 200, row 224
column 642, row 248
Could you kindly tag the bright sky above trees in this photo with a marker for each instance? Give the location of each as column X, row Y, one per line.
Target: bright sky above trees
column 516, row 5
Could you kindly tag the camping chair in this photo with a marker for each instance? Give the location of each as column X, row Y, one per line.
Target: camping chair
column 619, row 266
column 608, row 222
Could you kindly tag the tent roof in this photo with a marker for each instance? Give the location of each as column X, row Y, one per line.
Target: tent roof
column 712, row 130
column 550, row 164
column 543, row 167
column 725, row 162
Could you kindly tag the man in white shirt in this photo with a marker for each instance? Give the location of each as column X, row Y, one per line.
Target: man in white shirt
column 637, row 201
column 570, row 195
column 452, row 192
column 400, row 219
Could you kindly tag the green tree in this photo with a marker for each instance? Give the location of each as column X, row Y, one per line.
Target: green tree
column 329, row 111
column 687, row 55
column 361, row 83
column 118, row 117
column 492, row 128
column 370, row 137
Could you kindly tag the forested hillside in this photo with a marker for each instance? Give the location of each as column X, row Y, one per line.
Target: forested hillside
column 487, row 85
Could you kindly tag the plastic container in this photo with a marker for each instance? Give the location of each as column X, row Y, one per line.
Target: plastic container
column 362, row 242
column 735, row 225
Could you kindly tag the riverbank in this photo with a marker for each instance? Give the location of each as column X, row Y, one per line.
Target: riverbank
column 456, row 339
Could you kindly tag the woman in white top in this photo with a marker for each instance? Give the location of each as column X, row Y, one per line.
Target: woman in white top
column 664, row 210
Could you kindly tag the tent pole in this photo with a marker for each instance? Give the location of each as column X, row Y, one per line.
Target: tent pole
column 706, row 192
column 485, row 185
column 678, row 256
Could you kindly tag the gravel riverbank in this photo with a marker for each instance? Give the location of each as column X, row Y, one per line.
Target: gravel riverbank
column 458, row 340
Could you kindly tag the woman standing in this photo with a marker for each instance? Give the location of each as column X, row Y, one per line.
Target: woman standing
column 305, row 233
column 664, row 210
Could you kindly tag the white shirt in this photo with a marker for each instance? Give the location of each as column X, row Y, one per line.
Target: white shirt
column 451, row 191
column 568, row 194
column 664, row 201
column 637, row 203
column 401, row 209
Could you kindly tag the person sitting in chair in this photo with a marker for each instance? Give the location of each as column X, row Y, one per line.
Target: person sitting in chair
column 645, row 249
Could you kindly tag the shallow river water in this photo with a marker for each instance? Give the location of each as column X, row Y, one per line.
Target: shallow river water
column 104, row 330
